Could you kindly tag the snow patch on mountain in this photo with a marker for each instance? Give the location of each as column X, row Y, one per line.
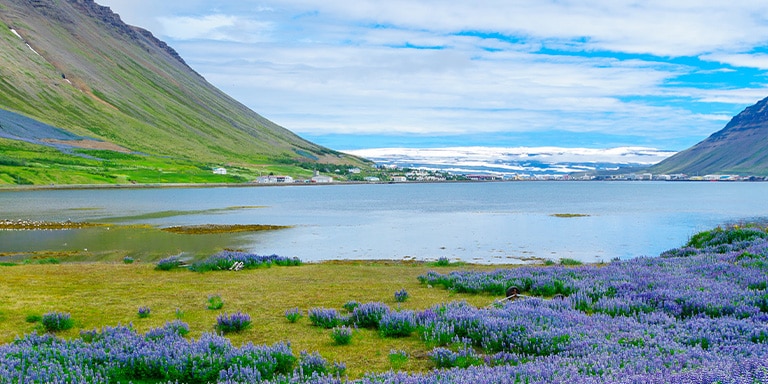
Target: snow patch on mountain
column 515, row 160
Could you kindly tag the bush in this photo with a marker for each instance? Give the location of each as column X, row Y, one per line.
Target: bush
column 324, row 317
column 33, row 318
column 728, row 235
column 368, row 315
column 215, row 302
column 293, row 315
column 442, row 262
column 128, row 260
column 310, row 364
column 397, row 324
column 341, row 335
column 233, row 323
column 57, row 321
column 171, row 329
column 567, row 261
column 168, row 263
column 143, row 312
column 234, row 260
column 401, row 296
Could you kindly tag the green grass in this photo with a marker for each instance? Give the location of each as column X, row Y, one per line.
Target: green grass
column 29, row 164
column 98, row 295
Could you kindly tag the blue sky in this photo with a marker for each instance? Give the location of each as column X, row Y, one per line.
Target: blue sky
column 434, row 73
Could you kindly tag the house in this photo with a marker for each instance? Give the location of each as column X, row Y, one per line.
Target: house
column 219, row 171
column 484, row 177
column 355, row 170
column 272, row 179
column 372, row 179
column 399, row 179
column 321, row 179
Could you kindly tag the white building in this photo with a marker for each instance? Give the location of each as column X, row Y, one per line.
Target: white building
column 321, row 179
column 272, row 179
column 219, row 171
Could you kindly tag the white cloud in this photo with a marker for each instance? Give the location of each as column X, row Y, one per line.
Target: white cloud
column 215, row 27
column 597, row 66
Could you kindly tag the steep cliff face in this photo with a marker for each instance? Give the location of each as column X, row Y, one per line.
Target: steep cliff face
column 75, row 65
column 739, row 148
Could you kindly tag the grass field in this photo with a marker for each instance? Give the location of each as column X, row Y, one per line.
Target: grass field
column 100, row 294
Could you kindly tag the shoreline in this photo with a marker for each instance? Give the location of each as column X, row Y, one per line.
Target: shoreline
column 54, row 187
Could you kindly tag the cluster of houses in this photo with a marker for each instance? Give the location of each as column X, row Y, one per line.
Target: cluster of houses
column 399, row 175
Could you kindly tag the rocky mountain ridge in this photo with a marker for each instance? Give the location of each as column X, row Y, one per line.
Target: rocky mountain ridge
column 741, row 148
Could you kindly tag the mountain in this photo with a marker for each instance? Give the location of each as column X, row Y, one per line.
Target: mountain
column 517, row 161
column 110, row 96
column 739, row 148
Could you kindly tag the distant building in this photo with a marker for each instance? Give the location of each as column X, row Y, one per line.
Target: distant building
column 219, row 171
column 372, row 179
column 399, row 179
column 484, row 177
column 272, row 179
column 355, row 170
column 321, row 179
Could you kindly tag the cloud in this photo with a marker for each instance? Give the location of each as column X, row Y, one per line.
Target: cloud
column 217, row 27
column 663, row 70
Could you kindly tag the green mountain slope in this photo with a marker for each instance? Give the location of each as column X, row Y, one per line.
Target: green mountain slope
column 74, row 65
column 739, row 148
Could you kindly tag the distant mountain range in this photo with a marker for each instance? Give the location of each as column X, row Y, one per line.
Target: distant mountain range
column 518, row 160
column 740, row 148
column 76, row 79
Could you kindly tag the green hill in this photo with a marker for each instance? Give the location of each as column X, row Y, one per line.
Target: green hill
column 115, row 104
column 740, row 148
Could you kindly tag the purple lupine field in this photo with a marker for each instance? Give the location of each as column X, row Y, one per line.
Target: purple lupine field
column 696, row 314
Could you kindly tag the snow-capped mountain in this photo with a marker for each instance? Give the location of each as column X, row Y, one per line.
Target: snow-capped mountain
column 515, row 160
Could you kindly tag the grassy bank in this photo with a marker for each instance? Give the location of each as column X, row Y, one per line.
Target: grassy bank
column 98, row 295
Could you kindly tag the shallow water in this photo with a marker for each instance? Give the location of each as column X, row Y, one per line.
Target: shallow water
column 478, row 222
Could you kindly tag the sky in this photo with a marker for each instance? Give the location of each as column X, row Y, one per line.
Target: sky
column 354, row 74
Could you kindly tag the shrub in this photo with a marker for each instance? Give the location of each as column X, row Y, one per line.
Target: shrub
column 168, row 263
column 179, row 313
column 143, row 312
column 233, row 323
column 442, row 262
column 324, row 317
column 397, row 324
column 341, row 335
column 310, row 364
column 728, row 235
column 215, row 302
column 33, row 318
column 57, row 321
column 368, row 315
column 401, row 295
column 464, row 358
column 171, row 329
column 293, row 315
column 128, row 260
column 234, row 260
column 567, row 261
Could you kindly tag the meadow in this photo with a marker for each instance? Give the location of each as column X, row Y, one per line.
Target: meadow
column 695, row 314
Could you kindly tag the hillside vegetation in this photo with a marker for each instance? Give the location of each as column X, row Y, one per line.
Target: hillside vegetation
column 76, row 67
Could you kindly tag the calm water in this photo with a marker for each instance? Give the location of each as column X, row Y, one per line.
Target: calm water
column 477, row 222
